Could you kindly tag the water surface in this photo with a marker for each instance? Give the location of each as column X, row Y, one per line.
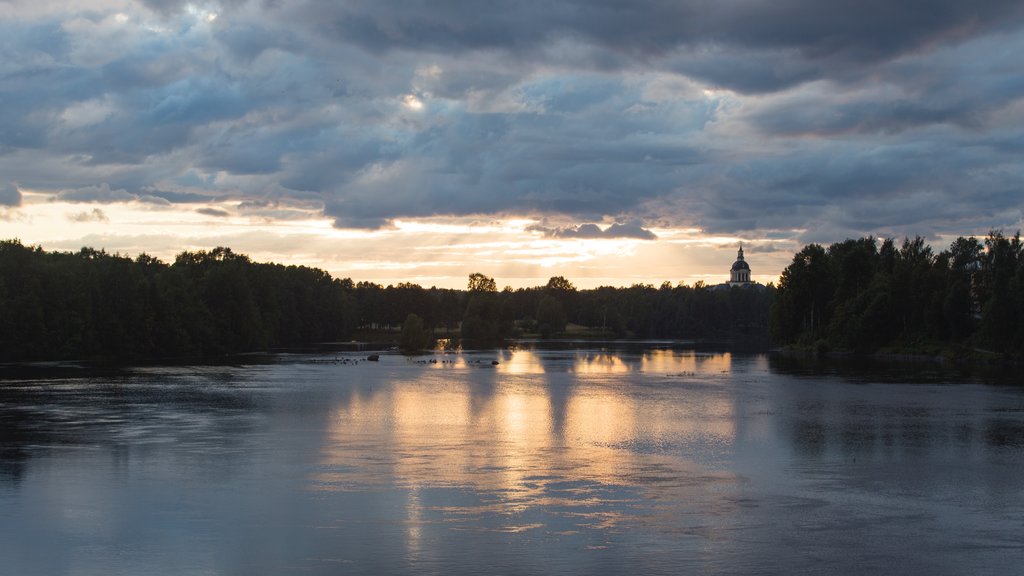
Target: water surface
column 614, row 461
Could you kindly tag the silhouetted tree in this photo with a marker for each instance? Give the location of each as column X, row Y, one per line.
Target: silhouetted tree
column 414, row 337
column 550, row 317
column 480, row 283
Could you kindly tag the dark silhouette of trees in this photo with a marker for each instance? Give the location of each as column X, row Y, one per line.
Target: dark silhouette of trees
column 95, row 305
column 551, row 317
column 480, row 283
column 91, row 305
column 414, row 336
column 481, row 322
column 861, row 296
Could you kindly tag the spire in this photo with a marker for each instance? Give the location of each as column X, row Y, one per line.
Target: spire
column 739, row 256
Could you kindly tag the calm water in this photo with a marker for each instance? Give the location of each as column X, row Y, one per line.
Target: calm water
column 552, row 462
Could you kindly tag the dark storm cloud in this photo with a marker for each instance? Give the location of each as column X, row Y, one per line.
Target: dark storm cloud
column 842, row 188
column 729, row 116
column 494, row 163
column 866, row 30
column 748, row 46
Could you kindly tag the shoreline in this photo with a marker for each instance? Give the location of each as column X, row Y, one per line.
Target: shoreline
column 976, row 356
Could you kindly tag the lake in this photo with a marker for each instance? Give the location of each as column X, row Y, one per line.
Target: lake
column 629, row 460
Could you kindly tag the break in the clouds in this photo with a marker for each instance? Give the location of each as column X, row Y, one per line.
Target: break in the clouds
column 738, row 117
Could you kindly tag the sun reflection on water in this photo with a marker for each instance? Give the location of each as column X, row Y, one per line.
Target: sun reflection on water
column 600, row 363
column 530, row 432
column 690, row 361
column 521, row 362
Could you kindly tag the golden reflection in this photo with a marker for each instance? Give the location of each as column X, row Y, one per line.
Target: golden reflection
column 602, row 420
column 668, row 361
column 686, row 362
column 523, row 438
column 600, row 363
column 521, row 362
column 715, row 363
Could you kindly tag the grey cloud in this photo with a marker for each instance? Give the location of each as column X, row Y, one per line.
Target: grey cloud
column 750, row 71
column 105, row 194
column 101, row 193
column 593, row 231
column 832, row 120
column 966, row 88
column 247, row 41
column 586, row 160
column 215, row 212
column 629, row 230
column 850, row 188
column 176, row 197
column 171, row 7
column 94, row 215
column 164, row 6
column 9, row 194
column 868, row 115
column 147, row 199
column 722, row 42
column 769, row 247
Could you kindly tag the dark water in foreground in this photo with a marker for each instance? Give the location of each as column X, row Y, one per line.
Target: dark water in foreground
column 553, row 462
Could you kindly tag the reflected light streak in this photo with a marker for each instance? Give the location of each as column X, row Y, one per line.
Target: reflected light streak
column 521, row 439
column 671, row 362
column 521, row 362
column 414, row 525
column 600, row 364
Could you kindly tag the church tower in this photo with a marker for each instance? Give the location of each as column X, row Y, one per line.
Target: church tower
column 740, row 273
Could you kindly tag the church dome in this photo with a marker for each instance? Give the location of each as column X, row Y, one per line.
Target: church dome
column 739, row 275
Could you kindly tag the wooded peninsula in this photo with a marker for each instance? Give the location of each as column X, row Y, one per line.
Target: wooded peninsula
column 858, row 295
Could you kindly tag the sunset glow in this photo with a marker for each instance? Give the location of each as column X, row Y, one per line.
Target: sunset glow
column 431, row 251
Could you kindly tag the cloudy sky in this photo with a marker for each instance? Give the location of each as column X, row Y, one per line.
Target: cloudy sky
column 607, row 141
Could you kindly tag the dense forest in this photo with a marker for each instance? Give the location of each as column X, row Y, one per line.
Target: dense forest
column 865, row 296
column 857, row 295
column 92, row 305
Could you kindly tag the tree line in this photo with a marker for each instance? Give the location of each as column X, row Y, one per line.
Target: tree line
column 865, row 296
column 95, row 305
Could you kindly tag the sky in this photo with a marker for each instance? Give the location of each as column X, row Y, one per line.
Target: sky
column 609, row 142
